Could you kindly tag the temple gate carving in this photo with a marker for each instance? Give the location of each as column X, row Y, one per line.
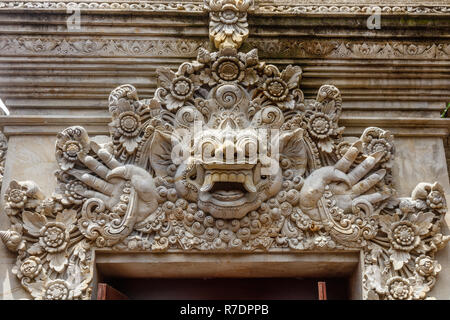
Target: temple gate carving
column 228, row 156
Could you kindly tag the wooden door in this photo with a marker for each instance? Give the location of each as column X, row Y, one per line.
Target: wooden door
column 106, row 292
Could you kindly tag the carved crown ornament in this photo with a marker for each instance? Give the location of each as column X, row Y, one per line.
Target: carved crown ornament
column 228, row 156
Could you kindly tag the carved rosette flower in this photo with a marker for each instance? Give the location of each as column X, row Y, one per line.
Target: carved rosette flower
column 54, row 237
column 430, row 196
column 21, row 195
column 322, row 116
column 129, row 124
column 71, row 149
column 50, row 206
column 276, row 89
column 398, row 288
column 176, row 89
column 31, row 267
column 320, row 125
column 322, row 128
column 182, row 88
column 16, row 198
column 376, row 139
column 56, row 290
column 71, row 143
column 228, row 69
column 426, row 267
column 126, row 124
column 378, row 145
column 405, row 233
column 282, row 88
column 435, row 200
column 404, row 236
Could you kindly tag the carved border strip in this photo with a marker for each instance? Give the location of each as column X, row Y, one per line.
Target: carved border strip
column 39, row 46
column 197, row 7
column 3, row 149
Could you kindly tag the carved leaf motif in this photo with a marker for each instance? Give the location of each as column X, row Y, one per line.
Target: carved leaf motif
column 36, row 289
column 33, row 222
column 292, row 146
column 57, row 260
column 386, row 221
column 326, row 145
column 420, row 288
column 35, row 249
column 165, row 77
column 292, row 76
column 130, row 144
column 374, row 278
column 422, row 221
column 289, row 104
column 399, row 258
column 68, row 217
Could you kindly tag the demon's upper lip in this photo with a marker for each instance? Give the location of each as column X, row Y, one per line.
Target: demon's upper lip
column 227, row 166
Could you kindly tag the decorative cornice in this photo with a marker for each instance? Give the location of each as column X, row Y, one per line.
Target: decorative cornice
column 340, row 9
column 63, row 46
column 99, row 125
column 338, row 48
column 279, row 8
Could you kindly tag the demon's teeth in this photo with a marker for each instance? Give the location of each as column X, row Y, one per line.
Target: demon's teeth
column 248, row 184
column 245, row 179
column 208, row 184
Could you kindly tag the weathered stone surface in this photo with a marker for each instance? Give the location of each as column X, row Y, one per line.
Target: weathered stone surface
column 329, row 193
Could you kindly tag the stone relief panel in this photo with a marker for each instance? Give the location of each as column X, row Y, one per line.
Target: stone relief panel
column 374, row 49
column 228, row 156
column 277, row 7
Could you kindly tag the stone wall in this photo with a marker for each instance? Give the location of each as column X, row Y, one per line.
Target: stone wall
column 395, row 78
column 447, row 151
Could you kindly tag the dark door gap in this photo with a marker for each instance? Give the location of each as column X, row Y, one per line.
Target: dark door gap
column 230, row 288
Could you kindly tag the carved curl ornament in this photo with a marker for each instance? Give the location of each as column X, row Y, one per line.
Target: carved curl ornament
column 227, row 156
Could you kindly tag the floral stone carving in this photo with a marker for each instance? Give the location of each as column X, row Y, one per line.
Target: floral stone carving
column 227, row 156
column 228, row 26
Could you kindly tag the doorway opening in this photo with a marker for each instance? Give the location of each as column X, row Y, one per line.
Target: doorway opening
column 229, row 288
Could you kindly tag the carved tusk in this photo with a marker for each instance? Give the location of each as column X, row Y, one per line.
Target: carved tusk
column 207, row 184
column 248, row 184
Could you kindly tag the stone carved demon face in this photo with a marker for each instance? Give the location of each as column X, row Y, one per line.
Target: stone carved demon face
column 227, row 138
column 231, row 165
